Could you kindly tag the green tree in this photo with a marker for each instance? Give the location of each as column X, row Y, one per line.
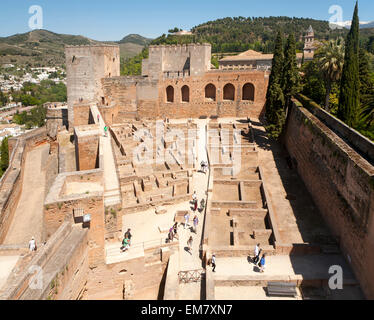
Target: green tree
column 367, row 113
column 176, row 29
column 291, row 75
column 330, row 59
column 370, row 46
column 4, row 153
column 3, row 99
column 349, row 101
column 313, row 82
column 275, row 114
column 366, row 81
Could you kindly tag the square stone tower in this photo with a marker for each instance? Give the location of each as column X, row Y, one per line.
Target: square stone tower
column 86, row 66
column 179, row 60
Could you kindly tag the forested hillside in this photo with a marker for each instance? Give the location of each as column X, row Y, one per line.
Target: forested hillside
column 231, row 35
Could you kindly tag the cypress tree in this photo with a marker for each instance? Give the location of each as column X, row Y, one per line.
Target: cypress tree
column 4, row 152
column 291, row 76
column 349, row 100
column 274, row 96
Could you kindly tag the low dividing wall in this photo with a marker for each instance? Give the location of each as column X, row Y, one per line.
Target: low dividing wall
column 340, row 181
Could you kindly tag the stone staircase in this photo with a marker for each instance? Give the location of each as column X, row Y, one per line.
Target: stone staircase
column 112, row 197
column 113, row 253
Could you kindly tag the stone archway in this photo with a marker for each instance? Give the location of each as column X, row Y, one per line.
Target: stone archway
column 229, row 92
column 248, row 92
column 169, row 94
column 210, row 92
column 185, row 94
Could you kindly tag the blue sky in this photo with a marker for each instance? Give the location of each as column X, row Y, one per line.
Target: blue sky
column 113, row 19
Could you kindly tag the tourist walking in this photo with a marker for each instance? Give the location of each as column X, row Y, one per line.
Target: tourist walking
column 32, row 244
column 186, row 220
column 106, row 131
column 175, row 229
column 195, row 223
column 214, row 263
column 195, row 205
column 262, row 264
column 194, row 197
column 205, row 167
column 257, row 253
column 125, row 245
column 202, row 205
column 189, row 244
column 98, row 118
column 128, row 235
column 194, row 201
column 171, row 235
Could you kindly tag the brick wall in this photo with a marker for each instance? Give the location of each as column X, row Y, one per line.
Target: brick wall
column 341, row 183
column 87, row 149
column 82, row 115
column 56, row 213
column 145, row 274
column 147, row 99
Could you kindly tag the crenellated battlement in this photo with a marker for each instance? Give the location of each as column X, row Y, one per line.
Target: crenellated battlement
column 92, row 45
column 179, row 46
column 193, row 58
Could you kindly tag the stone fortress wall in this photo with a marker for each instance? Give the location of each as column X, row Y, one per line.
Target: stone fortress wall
column 192, row 59
column 340, row 180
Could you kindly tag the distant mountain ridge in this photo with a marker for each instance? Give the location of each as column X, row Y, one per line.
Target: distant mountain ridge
column 136, row 39
column 43, row 47
column 363, row 24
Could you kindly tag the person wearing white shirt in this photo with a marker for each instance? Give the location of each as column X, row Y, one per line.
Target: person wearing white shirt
column 214, row 263
column 32, row 244
column 257, row 253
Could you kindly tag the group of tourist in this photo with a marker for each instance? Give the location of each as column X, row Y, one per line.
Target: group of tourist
column 195, row 220
column 256, row 259
column 195, row 203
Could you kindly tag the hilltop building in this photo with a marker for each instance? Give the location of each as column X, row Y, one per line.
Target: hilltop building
column 258, row 61
column 310, row 43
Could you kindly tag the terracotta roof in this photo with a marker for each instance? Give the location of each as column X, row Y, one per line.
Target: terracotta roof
column 258, row 56
column 249, row 55
column 307, row 55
